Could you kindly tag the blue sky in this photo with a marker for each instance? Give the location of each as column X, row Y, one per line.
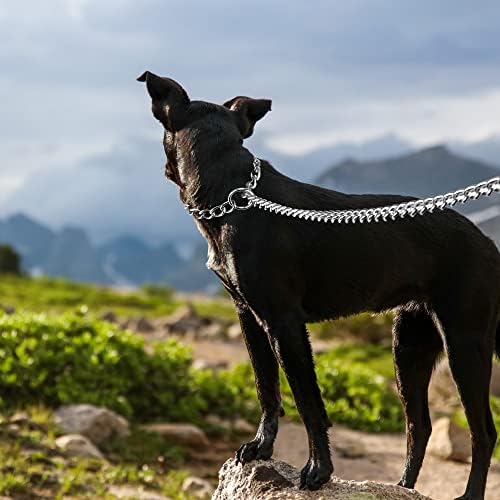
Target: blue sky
column 75, row 121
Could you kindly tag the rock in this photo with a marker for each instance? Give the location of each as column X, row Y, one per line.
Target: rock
column 8, row 309
column 350, row 448
column 131, row 493
column 124, row 324
column 214, row 330
column 234, row 332
column 78, row 446
column 143, row 325
column 204, row 364
column 449, row 441
column 184, row 320
column 241, row 426
column 109, row 316
column 183, row 434
column 98, row 424
column 443, row 395
column 495, row 380
column 266, row 480
column 197, row 488
column 218, row 422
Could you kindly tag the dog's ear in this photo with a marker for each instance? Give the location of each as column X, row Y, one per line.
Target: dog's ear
column 248, row 111
column 169, row 100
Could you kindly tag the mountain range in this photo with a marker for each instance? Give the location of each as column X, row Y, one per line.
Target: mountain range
column 130, row 260
column 124, row 261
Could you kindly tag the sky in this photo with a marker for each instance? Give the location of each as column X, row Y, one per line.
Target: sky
column 76, row 130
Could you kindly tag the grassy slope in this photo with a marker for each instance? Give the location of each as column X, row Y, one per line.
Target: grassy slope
column 59, row 295
column 32, row 466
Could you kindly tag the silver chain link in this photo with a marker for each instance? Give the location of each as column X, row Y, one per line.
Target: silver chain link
column 230, row 204
column 375, row 214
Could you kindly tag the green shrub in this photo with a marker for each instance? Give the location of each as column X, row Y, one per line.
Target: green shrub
column 72, row 359
column 354, row 395
column 10, row 261
column 364, row 327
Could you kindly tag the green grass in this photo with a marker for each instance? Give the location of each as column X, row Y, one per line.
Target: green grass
column 364, row 327
column 31, row 464
column 57, row 295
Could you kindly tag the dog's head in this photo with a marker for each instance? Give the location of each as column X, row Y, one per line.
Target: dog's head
column 196, row 130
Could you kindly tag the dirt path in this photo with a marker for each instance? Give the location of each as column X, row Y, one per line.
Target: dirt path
column 383, row 461
column 384, row 453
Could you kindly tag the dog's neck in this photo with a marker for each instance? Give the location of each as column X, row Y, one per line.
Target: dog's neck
column 207, row 182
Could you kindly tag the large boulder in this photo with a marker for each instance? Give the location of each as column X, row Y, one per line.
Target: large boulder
column 195, row 487
column 96, row 423
column 182, row 434
column 449, row 441
column 275, row 480
column 77, row 445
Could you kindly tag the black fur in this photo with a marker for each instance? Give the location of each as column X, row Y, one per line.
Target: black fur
column 439, row 270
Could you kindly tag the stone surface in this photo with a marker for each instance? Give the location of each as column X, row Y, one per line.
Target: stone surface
column 131, row 493
column 213, row 330
column 109, row 316
column 205, row 364
column 197, row 488
column 449, row 441
column 495, row 379
column 443, row 393
column 350, row 448
column 234, row 332
column 183, row 434
column 96, row 423
column 279, row 481
column 241, row 426
column 183, row 321
column 143, row 325
column 78, row 446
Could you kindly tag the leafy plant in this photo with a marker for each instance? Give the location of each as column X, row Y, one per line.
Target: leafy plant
column 354, row 395
column 73, row 359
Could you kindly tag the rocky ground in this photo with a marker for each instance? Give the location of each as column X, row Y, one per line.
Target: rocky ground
column 357, row 455
column 275, row 480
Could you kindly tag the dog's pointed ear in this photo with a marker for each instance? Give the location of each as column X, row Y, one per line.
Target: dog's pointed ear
column 248, row 111
column 169, row 100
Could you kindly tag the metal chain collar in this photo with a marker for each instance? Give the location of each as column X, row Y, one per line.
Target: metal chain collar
column 376, row 214
column 230, row 204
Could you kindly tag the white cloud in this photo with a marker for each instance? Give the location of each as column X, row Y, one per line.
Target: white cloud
column 341, row 71
column 420, row 121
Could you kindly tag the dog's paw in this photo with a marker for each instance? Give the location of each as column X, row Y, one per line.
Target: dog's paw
column 405, row 484
column 254, row 450
column 315, row 474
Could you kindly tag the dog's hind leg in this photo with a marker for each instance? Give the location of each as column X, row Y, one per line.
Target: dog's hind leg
column 292, row 348
column 470, row 344
column 416, row 346
column 267, row 381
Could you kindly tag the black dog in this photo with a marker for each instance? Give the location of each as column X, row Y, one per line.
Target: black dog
column 440, row 271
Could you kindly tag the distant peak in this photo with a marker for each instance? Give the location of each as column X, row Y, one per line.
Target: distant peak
column 19, row 217
column 440, row 149
column 348, row 162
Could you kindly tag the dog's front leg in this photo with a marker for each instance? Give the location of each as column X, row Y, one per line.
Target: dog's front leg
column 267, row 381
column 293, row 350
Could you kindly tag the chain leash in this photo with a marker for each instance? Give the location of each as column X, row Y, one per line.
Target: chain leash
column 376, row 214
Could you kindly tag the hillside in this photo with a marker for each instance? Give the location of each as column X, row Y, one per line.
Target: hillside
column 422, row 173
column 427, row 172
column 126, row 261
